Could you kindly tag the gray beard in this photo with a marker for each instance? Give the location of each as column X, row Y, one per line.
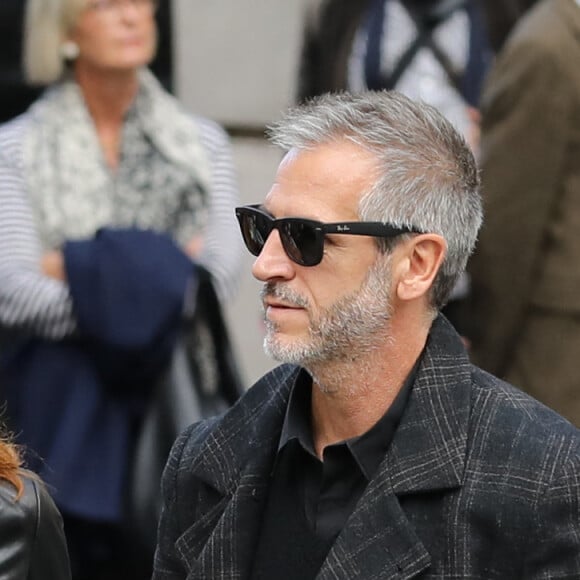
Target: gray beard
column 346, row 331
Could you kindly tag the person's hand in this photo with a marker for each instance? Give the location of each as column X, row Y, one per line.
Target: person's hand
column 194, row 247
column 52, row 264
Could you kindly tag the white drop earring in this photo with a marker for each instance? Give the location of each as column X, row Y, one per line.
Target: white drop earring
column 69, row 50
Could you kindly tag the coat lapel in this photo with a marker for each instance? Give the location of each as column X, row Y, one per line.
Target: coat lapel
column 223, row 540
column 378, row 541
column 428, row 450
column 427, row 454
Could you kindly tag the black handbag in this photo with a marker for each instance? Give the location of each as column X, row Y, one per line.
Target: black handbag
column 202, row 381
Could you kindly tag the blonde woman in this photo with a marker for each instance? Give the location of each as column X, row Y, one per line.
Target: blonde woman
column 104, row 149
column 32, row 544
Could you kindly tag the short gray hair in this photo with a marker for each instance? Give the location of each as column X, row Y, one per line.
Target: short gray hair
column 427, row 178
column 46, row 25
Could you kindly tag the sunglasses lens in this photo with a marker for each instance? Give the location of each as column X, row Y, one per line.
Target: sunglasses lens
column 255, row 229
column 302, row 243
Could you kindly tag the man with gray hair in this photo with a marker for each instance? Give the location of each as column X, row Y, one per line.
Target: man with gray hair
column 377, row 450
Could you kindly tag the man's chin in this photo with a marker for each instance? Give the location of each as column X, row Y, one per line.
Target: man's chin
column 286, row 350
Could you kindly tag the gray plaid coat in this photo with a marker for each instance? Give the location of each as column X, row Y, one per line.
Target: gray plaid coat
column 481, row 482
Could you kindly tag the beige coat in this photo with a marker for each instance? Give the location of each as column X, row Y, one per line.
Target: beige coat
column 526, row 270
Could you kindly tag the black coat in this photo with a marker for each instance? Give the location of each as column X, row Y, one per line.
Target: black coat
column 480, row 482
column 32, row 543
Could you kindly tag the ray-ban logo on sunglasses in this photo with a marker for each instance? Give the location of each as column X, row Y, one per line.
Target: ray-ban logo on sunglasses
column 301, row 238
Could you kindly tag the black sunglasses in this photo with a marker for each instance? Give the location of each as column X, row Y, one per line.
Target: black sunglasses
column 303, row 239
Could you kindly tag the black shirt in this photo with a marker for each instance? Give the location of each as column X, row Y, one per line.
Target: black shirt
column 309, row 500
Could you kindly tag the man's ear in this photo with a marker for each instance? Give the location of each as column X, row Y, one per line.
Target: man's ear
column 419, row 264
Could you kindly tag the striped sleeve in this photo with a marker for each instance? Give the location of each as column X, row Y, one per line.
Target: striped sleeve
column 29, row 301
column 223, row 245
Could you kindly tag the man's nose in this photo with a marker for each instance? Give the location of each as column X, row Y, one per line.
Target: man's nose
column 273, row 261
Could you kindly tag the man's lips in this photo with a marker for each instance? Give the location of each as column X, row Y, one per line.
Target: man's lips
column 276, row 304
column 280, row 311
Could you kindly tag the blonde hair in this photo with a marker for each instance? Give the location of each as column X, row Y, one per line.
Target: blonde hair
column 47, row 24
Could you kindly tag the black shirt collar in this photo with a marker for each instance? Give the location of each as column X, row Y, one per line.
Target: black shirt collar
column 369, row 448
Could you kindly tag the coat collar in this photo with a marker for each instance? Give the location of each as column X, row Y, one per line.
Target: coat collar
column 428, row 450
column 248, row 433
column 427, row 454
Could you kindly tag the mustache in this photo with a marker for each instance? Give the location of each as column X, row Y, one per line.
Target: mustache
column 282, row 292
